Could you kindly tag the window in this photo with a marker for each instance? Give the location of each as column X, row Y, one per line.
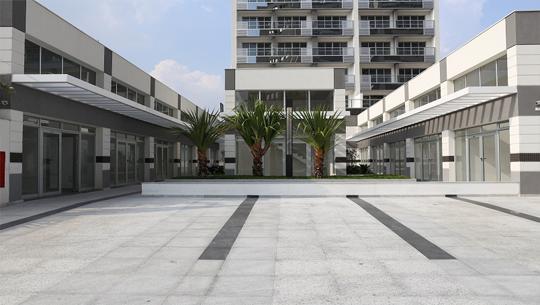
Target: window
column 299, row 99
column 88, row 76
column 273, row 98
column 408, row 22
column 370, row 100
column 38, row 60
column 494, row 73
column 377, row 22
column 163, row 108
column 378, row 120
column 322, row 100
column 258, row 48
column 290, row 22
column 411, row 48
column 51, row 63
column 258, row 22
column 31, row 58
column 397, row 112
column 127, row 92
column 378, row 76
column 427, row 98
column 246, row 98
column 377, row 48
column 72, row 68
column 407, row 74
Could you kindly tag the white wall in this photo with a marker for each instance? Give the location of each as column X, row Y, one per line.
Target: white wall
column 11, row 51
column 524, row 65
column 395, row 99
column 285, row 79
column 128, row 73
column 425, row 82
column 58, row 34
column 166, row 94
column 486, row 46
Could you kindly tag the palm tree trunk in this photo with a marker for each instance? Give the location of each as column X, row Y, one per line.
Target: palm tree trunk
column 203, row 163
column 319, row 163
column 257, row 153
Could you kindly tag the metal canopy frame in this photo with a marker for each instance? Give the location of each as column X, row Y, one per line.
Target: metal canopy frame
column 80, row 91
column 462, row 99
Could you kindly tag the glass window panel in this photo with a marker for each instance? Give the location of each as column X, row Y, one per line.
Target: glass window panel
column 274, row 159
column 30, row 160
column 51, row 63
column 132, row 95
column 299, row 99
column 246, row 98
column 459, row 84
column 273, row 98
column 113, row 170
column 502, row 72
column 31, row 58
column 51, row 162
column 299, row 159
column 121, row 90
column 88, row 157
column 141, row 99
column 322, row 100
column 461, row 158
column 71, row 68
column 488, row 74
column 473, row 79
column 88, row 76
column 245, row 159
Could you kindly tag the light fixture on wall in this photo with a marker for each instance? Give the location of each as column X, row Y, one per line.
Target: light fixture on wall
column 537, row 105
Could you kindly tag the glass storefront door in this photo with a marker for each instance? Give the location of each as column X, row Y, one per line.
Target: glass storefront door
column 51, row 162
column 127, row 159
column 31, row 159
column 88, row 157
column 428, row 158
column 483, row 153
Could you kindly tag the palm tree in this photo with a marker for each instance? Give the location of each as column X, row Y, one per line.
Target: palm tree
column 258, row 125
column 203, row 129
column 319, row 129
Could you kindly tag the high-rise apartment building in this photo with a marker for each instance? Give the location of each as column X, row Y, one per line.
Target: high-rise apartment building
column 342, row 55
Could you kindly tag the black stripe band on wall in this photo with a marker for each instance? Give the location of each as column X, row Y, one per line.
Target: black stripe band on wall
column 177, row 161
column 15, row 157
column 386, row 160
column 153, row 87
column 108, row 61
column 103, row 159
column 223, row 242
column 341, row 159
column 530, row 157
column 410, row 160
column 149, row 160
column 417, row 241
column 230, row 160
column 448, row 159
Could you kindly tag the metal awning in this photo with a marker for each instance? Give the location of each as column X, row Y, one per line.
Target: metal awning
column 462, row 99
column 80, row 91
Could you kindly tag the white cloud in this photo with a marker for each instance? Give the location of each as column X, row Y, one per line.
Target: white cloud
column 202, row 88
column 461, row 20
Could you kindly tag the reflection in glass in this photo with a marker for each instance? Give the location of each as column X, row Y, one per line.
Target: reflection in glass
column 88, row 157
column 299, row 157
column 322, row 100
column 51, row 162
column 30, row 160
column 51, row 63
column 122, row 163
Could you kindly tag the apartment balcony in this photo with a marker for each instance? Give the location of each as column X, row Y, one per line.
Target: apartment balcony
column 379, row 82
column 295, row 56
column 293, row 4
column 400, row 27
column 295, row 28
column 349, row 82
column 396, row 4
column 357, row 104
column 395, row 55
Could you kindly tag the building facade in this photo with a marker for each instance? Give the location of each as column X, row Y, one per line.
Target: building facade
column 339, row 54
column 81, row 117
column 470, row 117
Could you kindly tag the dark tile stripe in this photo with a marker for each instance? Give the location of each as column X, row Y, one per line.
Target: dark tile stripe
column 222, row 243
column 59, row 210
column 424, row 246
column 497, row 208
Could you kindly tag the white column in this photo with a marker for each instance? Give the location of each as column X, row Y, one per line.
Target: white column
column 409, row 153
column 103, row 158
column 386, row 154
column 340, row 154
column 149, row 159
column 230, row 154
column 11, row 144
column 449, row 155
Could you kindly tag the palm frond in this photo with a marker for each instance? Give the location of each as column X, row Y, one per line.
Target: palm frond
column 203, row 128
column 319, row 127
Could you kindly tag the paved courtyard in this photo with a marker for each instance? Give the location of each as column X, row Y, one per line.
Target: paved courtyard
column 153, row 250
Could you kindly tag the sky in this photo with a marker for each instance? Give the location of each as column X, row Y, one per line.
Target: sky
column 187, row 43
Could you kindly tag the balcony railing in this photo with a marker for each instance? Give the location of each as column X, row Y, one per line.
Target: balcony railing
column 349, row 81
column 295, row 55
column 395, row 4
column 399, row 27
column 405, row 54
column 293, row 4
column 379, row 82
column 295, row 28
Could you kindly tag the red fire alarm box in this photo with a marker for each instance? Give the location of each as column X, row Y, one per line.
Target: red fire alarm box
column 2, row 169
